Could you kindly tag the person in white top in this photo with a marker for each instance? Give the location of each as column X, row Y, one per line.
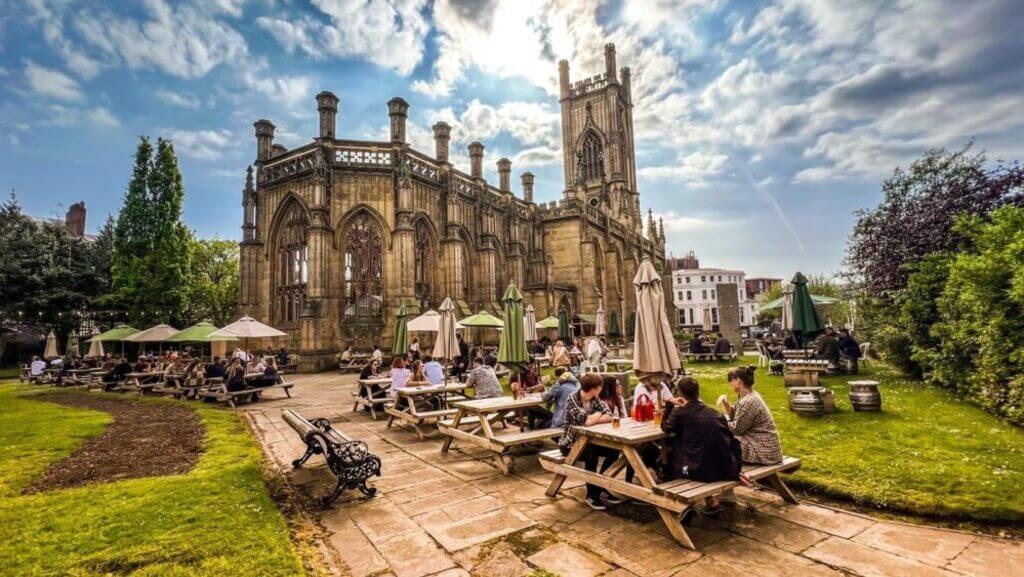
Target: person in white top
column 377, row 354
column 38, row 366
column 594, row 351
column 414, row 349
column 645, row 390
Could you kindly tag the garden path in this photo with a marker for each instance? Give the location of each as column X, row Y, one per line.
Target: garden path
column 455, row 514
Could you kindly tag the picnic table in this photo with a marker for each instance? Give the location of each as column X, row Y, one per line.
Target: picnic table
column 671, row 498
column 140, row 381
column 404, row 408
column 481, row 414
column 364, row 395
column 788, row 354
column 619, row 364
column 804, row 372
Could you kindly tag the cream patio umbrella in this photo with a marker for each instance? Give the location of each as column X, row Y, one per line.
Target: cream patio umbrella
column 530, row 324
column 787, row 307
column 247, row 328
column 95, row 346
column 707, row 323
column 428, row 322
column 655, row 356
column 447, row 345
column 599, row 321
column 51, row 347
column 155, row 334
column 72, row 348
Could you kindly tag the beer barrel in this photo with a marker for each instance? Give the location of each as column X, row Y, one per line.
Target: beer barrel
column 864, row 396
column 806, row 401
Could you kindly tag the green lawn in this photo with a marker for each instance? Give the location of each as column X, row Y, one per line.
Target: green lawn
column 218, row 519
column 927, row 453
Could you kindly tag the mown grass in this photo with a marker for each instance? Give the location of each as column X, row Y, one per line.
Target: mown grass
column 218, row 519
column 927, row 453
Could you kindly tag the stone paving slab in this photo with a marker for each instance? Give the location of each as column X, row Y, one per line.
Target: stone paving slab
column 454, row 515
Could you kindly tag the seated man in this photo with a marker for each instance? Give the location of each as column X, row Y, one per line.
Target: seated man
column 828, row 349
column 696, row 345
column 723, row 348
column 216, row 369
column 483, row 379
column 37, row 367
column 703, row 447
column 433, row 370
column 849, row 349
column 557, row 395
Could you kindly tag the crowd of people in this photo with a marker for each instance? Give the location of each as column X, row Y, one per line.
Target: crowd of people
column 840, row 348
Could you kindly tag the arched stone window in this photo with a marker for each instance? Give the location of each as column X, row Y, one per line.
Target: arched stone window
column 592, row 157
column 424, row 265
column 291, row 264
column 363, row 270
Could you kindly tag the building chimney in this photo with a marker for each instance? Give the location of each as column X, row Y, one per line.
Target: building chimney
column 264, row 139
column 327, row 106
column 563, row 78
column 476, row 160
column 626, row 83
column 504, row 169
column 442, row 135
column 74, row 221
column 609, row 61
column 398, row 111
column 527, row 180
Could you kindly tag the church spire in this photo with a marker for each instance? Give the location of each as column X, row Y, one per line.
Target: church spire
column 652, row 233
column 661, row 229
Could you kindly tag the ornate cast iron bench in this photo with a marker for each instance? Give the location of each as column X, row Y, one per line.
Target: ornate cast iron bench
column 349, row 460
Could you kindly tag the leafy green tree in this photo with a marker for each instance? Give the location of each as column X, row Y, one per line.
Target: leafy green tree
column 151, row 244
column 214, row 283
column 979, row 340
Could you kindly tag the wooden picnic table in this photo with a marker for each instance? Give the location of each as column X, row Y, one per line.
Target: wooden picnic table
column 788, row 354
column 618, row 364
column 481, row 414
column 364, row 394
column 804, row 372
column 404, row 408
column 139, row 381
column 671, row 498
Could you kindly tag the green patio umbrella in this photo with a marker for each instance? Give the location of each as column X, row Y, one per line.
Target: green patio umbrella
column 564, row 331
column 613, row 324
column 807, row 323
column 512, row 348
column 118, row 333
column 548, row 323
column 72, row 351
column 198, row 333
column 401, row 333
column 781, row 301
column 482, row 319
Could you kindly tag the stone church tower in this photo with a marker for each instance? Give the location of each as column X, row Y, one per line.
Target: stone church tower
column 338, row 234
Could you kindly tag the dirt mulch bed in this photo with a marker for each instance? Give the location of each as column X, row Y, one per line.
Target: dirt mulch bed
column 144, row 440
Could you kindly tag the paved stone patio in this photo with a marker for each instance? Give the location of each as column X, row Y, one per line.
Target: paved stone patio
column 455, row 514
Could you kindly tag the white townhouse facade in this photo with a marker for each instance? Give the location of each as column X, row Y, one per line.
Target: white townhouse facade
column 695, row 289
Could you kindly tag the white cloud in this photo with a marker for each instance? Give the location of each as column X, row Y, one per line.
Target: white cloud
column 102, row 117
column 695, row 169
column 180, row 40
column 814, row 174
column 49, row 18
column 387, row 33
column 202, row 144
column 49, row 82
column 677, row 223
column 294, row 92
column 178, row 99
column 68, row 116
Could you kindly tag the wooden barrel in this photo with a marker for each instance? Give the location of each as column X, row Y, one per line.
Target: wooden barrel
column 864, row 396
column 828, row 400
column 794, row 379
column 806, row 402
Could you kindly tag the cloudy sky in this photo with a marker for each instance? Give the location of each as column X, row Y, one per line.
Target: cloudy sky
column 761, row 126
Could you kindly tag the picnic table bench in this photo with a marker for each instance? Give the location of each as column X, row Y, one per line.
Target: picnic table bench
column 139, row 382
column 404, row 407
column 671, row 498
column 349, row 460
column 486, row 413
column 365, row 396
column 219, row 392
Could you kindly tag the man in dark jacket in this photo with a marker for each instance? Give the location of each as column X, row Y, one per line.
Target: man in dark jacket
column 849, row 348
column 828, row 348
column 723, row 348
column 703, row 447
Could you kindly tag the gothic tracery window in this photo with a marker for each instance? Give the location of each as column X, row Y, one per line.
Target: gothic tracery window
column 364, row 270
column 292, row 265
column 592, row 157
column 423, row 265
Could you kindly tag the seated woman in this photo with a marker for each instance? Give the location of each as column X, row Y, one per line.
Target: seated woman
column 751, row 420
column 697, row 345
column 584, row 407
column 703, row 447
column 399, row 375
column 270, row 377
column 234, row 379
column 141, row 366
